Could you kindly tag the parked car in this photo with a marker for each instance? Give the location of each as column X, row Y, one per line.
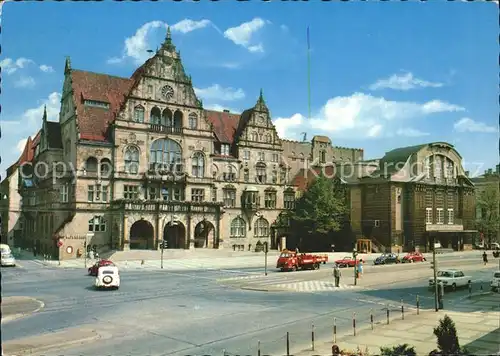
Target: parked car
column 8, row 260
column 495, row 281
column 347, row 261
column 386, row 258
column 451, row 278
column 292, row 261
column 413, row 257
column 107, row 277
column 93, row 270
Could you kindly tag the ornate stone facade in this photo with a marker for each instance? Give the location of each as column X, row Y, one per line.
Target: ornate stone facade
column 140, row 162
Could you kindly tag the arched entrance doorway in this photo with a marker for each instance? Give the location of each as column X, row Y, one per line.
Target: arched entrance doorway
column 141, row 235
column 174, row 234
column 204, row 235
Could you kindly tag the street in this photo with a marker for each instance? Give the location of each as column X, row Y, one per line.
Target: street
column 207, row 312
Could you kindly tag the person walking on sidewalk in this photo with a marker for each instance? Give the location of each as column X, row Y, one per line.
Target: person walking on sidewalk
column 360, row 268
column 485, row 258
column 336, row 275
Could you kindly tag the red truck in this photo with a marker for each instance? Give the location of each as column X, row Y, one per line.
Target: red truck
column 292, row 261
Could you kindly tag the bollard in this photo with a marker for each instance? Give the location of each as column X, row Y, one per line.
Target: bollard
column 334, row 330
column 258, row 348
column 481, row 287
column 402, row 310
column 354, row 323
column 371, row 317
column 312, row 337
column 418, row 305
column 387, row 314
column 287, row 343
column 470, row 289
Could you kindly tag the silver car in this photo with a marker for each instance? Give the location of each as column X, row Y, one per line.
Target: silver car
column 8, row 260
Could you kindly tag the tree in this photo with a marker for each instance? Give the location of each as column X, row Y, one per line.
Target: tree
column 322, row 208
column 447, row 339
column 488, row 205
column 400, row 350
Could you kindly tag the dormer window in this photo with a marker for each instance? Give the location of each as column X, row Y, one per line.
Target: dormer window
column 96, row 104
column 224, row 149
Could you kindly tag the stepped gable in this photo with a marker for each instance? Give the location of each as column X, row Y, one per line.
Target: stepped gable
column 93, row 122
column 224, row 125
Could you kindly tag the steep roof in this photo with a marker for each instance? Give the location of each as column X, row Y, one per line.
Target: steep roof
column 396, row 158
column 224, row 124
column 93, row 122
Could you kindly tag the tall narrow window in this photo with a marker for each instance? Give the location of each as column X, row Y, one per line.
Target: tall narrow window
column 214, row 194
column 261, row 173
column 428, row 215
column 270, row 199
column 450, row 217
column 63, row 193
column 139, row 114
column 289, row 200
column 322, row 157
column 193, row 121
column 440, row 216
column 225, row 149
column 132, row 160
column 229, row 198
column 198, row 165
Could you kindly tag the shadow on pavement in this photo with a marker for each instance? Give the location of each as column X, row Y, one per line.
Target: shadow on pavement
column 452, row 299
column 488, row 342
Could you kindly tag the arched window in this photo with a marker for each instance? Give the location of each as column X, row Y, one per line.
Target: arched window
column 105, row 167
column 155, row 118
column 322, row 157
column 230, row 174
column 91, row 165
column 139, row 114
column 198, row 165
column 261, row 228
column 238, row 227
column 178, row 118
column 260, row 174
column 132, row 160
column 193, row 121
column 166, row 118
column 165, row 154
column 97, row 224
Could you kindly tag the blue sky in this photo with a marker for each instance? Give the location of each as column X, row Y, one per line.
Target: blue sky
column 383, row 74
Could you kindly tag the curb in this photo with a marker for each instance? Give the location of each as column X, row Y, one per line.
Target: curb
column 13, row 317
column 30, row 350
column 257, row 289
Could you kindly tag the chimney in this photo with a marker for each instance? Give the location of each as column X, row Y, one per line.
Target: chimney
column 225, row 110
column 467, row 173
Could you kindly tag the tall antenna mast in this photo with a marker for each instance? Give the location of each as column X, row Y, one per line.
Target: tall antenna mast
column 308, row 74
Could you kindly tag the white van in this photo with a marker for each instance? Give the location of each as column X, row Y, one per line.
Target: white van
column 107, row 277
column 5, row 249
column 495, row 281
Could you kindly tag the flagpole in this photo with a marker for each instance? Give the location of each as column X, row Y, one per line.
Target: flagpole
column 308, row 74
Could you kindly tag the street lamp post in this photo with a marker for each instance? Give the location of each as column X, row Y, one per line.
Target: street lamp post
column 355, row 255
column 266, row 250
column 162, row 246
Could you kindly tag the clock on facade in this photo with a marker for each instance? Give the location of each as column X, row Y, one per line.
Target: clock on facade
column 167, row 92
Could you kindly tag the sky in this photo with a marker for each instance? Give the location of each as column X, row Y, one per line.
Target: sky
column 383, row 75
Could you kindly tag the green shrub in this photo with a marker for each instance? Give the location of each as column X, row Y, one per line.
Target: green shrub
column 400, row 350
column 447, row 339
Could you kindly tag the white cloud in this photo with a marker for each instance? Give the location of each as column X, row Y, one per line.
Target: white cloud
column 216, row 92
column 403, row 82
column 468, row 125
column 46, row 68
column 375, row 130
column 360, row 114
column 242, row 34
column 10, row 66
column 187, row 25
column 217, row 107
column 25, row 82
column 284, row 28
column 409, row 132
column 34, row 116
column 136, row 47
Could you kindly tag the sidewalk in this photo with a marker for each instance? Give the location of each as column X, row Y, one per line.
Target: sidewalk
column 479, row 331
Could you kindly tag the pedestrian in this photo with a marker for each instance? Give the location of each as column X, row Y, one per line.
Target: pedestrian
column 485, row 258
column 360, row 268
column 297, row 250
column 336, row 275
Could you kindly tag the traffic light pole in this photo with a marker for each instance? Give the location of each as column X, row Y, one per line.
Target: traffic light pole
column 434, row 267
column 266, row 249
column 355, row 255
column 162, row 249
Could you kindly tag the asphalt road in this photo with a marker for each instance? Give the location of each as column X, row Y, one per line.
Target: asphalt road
column 188, row 312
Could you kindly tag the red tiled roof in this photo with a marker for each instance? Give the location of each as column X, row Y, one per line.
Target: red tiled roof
column 35, row 143
column 93, row 122
column 305, row 177
column 224, row 125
